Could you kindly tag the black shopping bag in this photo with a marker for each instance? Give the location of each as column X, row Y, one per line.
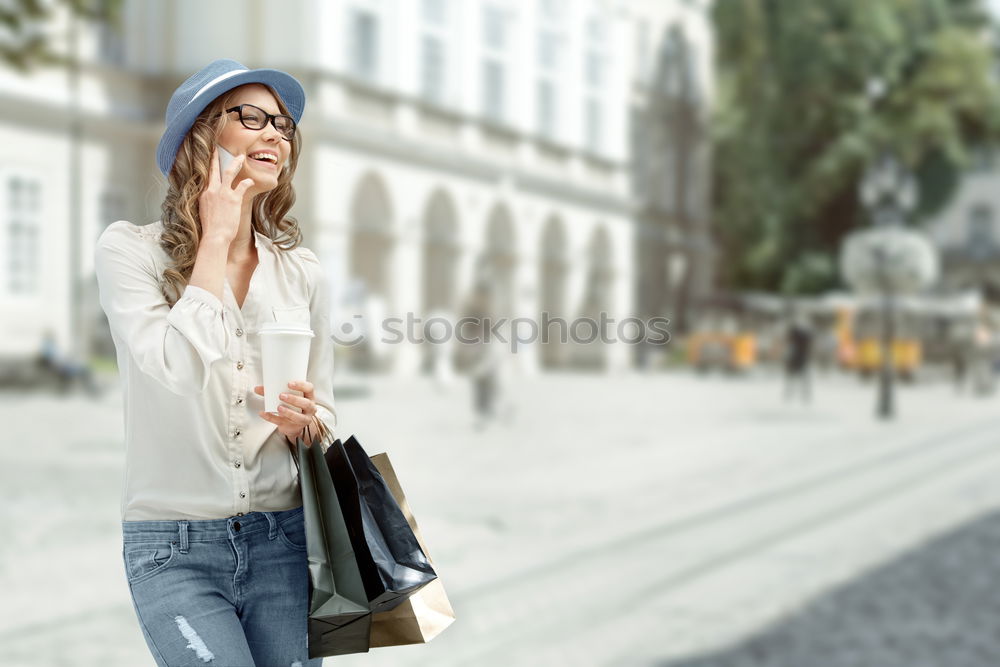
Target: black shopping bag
column 392, row 563
column 339, row 614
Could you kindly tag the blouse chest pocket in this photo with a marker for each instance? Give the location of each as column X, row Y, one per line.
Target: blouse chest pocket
column 292, row 314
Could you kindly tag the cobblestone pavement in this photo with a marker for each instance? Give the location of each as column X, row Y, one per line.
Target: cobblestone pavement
column 636, row 519
column 934, row 607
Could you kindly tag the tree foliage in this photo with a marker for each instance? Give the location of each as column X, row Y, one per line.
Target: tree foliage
column 810, row 93
column 27, row 39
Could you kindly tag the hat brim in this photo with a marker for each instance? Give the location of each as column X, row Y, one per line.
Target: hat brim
column 285, row 85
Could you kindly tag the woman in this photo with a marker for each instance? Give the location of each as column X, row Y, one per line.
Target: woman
column 214, row 545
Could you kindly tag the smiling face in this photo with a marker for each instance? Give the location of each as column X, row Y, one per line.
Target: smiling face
column 240, row 140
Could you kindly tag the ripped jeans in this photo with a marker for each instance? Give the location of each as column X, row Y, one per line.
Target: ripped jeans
column 227, row 592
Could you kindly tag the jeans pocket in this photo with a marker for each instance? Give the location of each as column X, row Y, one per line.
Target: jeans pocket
column 143, row 560
column 292, row 532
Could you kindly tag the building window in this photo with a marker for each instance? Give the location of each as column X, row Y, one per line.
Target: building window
column 494, row 28
column 595, row 58
column 678, row 113
column 980, row 236
column 550, row 10
column 433, row 82
column 595, row 29
column 23, row 231
column 494, row 63
column 670, row 66
column 549, row 43
column 493, row 84
column 435, row 12
column 593, row 123
column 642, row 51
column 111, row 37
column 595, row 68
column 548, row 49
column 664, row 167
column 546, row 107
column 677, row 68
column 364, row 44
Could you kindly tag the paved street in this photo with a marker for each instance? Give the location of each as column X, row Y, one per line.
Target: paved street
column 668, row 520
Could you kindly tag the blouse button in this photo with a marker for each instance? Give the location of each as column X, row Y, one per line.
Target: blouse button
column 239, row 401
column 237, row 464
column 239, row 365
column 242, row 495
column 239, row 332
column 236, row 433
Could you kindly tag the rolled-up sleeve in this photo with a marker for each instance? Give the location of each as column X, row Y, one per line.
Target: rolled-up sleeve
column 177, row 346
column 320, row 372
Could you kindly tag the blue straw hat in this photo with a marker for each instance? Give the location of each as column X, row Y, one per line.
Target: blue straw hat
column 215, row 78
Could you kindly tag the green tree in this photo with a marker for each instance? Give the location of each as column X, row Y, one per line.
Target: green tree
column 26, row 37
column 810, row 93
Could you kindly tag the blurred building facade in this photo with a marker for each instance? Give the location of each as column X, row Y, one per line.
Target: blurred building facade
column 670, row 100
column 446, row 144
column 967, row 231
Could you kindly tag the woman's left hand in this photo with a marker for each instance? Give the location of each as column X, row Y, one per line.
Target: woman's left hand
column 292, row 422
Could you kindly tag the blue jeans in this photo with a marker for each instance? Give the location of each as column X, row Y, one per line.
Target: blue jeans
column 227, row 592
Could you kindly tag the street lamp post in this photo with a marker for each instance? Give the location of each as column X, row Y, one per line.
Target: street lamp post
column 888, row 259
column 886, row 375
column 889, row 193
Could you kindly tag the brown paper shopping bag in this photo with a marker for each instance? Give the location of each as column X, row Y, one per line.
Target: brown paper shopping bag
column 426, row 613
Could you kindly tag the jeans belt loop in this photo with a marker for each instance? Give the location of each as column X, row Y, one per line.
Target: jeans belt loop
column 183, row 530
column 272, row 525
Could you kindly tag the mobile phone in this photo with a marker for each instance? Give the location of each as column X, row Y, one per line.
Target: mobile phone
column 225, row 158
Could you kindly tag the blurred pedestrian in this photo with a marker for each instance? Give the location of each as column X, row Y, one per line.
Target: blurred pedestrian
column 66, row 371
column 439, row 334
column 212, row 522
column 959, row 353
column 983, row 379
column 485, row 354
column 375, row 311
column 486, row 383
column 798, row 344
column 827, row 345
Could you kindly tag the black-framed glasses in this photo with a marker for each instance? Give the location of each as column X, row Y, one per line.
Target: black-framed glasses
column 255, row 118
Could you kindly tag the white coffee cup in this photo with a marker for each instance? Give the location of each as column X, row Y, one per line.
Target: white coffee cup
column 284, row 357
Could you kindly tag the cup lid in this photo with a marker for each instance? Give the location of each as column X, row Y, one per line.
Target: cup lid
column 286, row 328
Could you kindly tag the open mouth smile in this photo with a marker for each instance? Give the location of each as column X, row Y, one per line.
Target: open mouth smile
column 267, row 159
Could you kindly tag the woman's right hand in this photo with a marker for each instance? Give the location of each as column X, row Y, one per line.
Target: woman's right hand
column 220, row 204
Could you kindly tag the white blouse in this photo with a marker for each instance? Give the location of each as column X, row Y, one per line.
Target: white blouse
column 195, row 446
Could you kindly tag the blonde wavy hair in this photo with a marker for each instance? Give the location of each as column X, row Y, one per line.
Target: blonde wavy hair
column 187, row 180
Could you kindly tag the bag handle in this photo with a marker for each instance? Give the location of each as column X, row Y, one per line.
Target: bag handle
column 322, row 432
